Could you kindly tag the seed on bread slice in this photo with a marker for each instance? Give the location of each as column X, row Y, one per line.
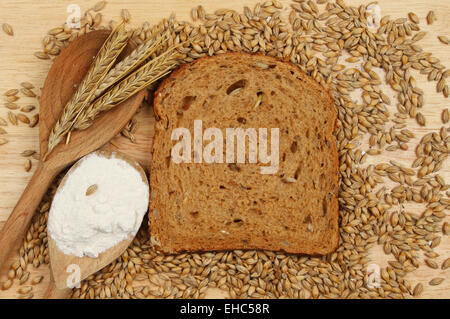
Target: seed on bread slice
column 225, row 206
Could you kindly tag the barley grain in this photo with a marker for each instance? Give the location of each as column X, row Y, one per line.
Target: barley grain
column 413, row 17
column 7, row 284
column 11, row 106
column 27, row 165
column 28, row 108
column 12, row 118
column 418, row 289
column 11, row 92
column 12, row 98
column 431, row 17
column 7, row 28
column 24, row 290
column 445, row 116
column 431, row 263
column 23, row 118
column 27, row 85
column 445, row 264
column 91, row 189
column 27, row 153
column 27, row 92
column 446, row 228
column 436, row 281
column 444, row 39
column 41, row 55
column 420, row 119
column 34, row 120
column 99, row 6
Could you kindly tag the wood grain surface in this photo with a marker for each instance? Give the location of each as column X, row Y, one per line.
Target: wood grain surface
column 32, row 19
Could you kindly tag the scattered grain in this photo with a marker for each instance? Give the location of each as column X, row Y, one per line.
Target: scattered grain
column 12, row 118
column 418, row 289
column 34, row 120
column 28, row 108
column 446, row 228
column 99, row 6
column 431, row 17
column 91, row 189
column 25, row 290
column 41, row 55
column 445, row 116
column 27, row 85
column 7, row 284
column 413, row 17
column 444, row 39
column 27, row 165
column 11, row 106
column 445, row 264
column 431, row 263
column 27, row 153
column 12, row 98
column 7, row 28
column 11, row 92
column 37, row 280
column 436, row 281
column 420, row 119
column 27, row 92
column 23, row 118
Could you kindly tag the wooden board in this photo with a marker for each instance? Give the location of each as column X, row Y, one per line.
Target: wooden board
column 31, row 20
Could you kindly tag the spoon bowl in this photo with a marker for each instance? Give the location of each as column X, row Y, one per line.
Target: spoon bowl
column 69, row 269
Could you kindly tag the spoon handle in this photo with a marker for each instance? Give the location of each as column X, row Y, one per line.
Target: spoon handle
column 19, row 221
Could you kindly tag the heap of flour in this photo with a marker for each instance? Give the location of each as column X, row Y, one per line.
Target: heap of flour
column 101, row 203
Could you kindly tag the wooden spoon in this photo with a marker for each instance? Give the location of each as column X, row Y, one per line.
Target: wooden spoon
column 68, row 69
column 69, row 269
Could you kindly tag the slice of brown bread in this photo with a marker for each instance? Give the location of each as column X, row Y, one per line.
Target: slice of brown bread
column 220, row 206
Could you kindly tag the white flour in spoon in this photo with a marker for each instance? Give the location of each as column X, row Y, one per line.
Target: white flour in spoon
column 87, row 225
